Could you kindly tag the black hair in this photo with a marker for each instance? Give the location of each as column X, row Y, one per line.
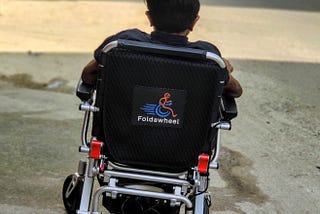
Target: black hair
column 173, row 16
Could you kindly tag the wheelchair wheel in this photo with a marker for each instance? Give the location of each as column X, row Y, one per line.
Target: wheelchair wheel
column 71, row 193
column 206, row 205
column 206, row 208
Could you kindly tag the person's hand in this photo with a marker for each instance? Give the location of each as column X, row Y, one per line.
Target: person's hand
column 228, row 64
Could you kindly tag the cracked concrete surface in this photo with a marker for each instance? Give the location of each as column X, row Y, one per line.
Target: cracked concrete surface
column 270, row 160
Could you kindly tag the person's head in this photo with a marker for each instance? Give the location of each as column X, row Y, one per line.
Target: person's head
column 173, row 16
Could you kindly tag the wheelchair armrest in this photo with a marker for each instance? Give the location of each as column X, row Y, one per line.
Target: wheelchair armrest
column 84, row 90
column 228, row 108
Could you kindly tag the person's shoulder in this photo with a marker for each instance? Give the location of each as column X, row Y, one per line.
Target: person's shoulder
column 133, row 34
column 129, row 34
column 203, row 45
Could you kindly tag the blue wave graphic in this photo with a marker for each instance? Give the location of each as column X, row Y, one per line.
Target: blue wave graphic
column 149, row 109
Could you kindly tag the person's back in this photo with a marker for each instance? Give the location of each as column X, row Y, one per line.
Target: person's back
column 172, row 21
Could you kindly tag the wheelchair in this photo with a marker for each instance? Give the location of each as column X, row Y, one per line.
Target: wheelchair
column 155, row 117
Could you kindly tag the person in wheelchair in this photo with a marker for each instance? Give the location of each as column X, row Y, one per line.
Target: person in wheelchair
column 172, row 21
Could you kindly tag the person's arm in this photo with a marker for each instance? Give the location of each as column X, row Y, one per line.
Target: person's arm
column 90, row 72
column 233, row 87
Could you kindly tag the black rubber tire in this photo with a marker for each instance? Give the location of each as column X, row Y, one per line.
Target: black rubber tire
column 72, row 203
column 206, row 208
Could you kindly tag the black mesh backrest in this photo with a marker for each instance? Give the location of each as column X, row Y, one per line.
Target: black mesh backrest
column 132, row 87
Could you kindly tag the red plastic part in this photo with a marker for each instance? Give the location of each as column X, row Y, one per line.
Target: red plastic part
column 95, row 149
column 203, row 163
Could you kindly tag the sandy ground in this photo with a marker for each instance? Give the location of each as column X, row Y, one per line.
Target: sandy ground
column 270, row 162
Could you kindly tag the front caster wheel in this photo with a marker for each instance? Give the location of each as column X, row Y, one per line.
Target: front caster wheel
column 71, row 193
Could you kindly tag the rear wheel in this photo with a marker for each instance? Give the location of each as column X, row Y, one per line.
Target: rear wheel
column 206, row 207
column 71, row 193
column 206, row 204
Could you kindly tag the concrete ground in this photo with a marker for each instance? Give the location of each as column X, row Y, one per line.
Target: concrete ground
column 270, row 162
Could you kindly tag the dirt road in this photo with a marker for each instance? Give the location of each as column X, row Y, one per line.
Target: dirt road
column 270, row 162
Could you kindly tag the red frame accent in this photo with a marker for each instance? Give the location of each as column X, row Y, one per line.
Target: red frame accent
column 203, row 162
column 95, row 149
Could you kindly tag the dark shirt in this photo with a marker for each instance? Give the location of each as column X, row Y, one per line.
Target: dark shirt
column 159, row 38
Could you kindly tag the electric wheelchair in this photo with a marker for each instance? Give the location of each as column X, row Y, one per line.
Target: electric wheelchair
column 155, row 117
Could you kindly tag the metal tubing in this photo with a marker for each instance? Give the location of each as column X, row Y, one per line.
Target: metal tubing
column 199, row 204
column 109, row 46
column 216, row 58
column 217, row 149
column 143, row 193
column 225, row 125
column 123, row 168
column 87, row 188
column 85, row 212
column 180, row 182
column 203, row 180
column 84, row 149
column 87, row 107
column 213, row 165
column 84, row 131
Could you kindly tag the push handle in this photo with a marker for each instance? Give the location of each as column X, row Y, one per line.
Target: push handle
column 163, row 49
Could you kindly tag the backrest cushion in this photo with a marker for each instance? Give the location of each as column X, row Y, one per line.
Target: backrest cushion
column 156, row 110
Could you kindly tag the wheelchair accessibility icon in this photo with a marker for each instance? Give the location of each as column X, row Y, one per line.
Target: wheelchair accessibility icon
column 164, row 104
column 163, row 109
